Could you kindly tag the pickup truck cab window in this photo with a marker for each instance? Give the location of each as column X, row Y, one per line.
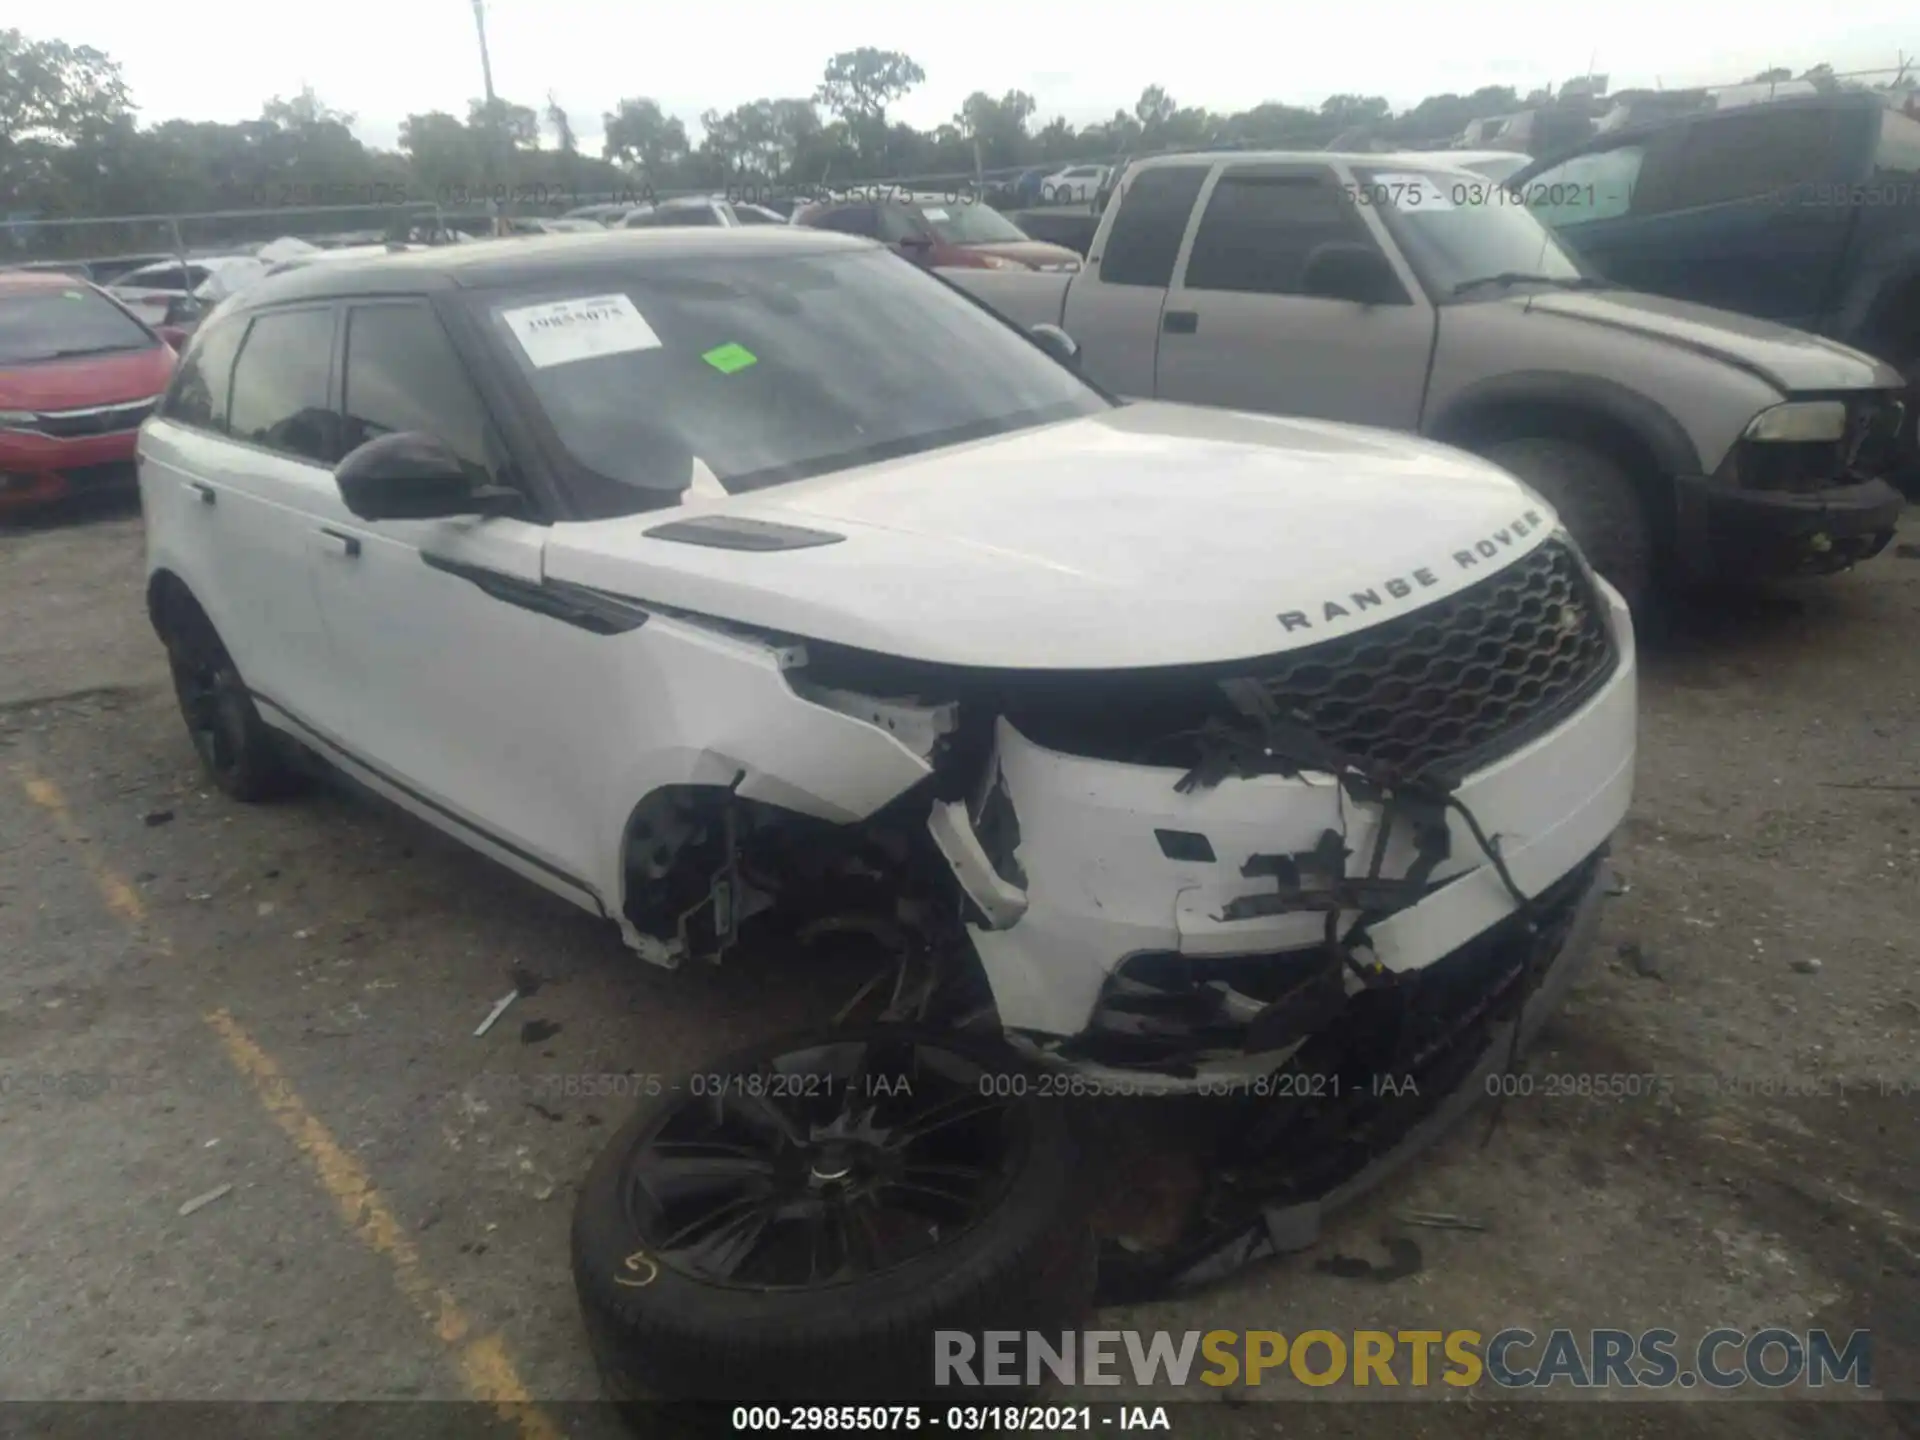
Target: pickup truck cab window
column 280, row 397
column 1261, row 228
column 767, row 369
column 1144, row 239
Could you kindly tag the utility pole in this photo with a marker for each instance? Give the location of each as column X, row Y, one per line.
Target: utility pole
column 491, row 137
column 486, row 65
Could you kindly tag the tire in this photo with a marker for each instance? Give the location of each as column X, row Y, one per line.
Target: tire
column 669, row 1322
column 240, row 753
column 1598, row 503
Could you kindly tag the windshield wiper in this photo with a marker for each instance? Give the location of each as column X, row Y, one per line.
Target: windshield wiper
column 1521, row 277
column 72, row 353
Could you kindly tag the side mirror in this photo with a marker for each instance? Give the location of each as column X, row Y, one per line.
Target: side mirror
column 1057, row 343
column 917, row 248
column 412, row 476
column 174, row 335
column 1344, row 270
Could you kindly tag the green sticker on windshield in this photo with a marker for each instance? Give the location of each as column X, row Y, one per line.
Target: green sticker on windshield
column 730, row 357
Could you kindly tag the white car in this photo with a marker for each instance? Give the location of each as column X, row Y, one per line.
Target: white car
column 709, row 212
column 685, row 576
column 1075, row 185
column 153, row 290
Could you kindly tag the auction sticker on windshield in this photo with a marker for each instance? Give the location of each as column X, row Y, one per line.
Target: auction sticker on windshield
column 568, row 330
column 1407, row 191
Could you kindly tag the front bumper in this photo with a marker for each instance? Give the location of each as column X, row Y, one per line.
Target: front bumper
column 1726, row 532
column 1094, row 886
column 38, row 469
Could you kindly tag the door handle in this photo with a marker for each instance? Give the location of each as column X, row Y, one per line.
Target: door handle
column 349, row 544
column 208, row 495
column 1181, row 322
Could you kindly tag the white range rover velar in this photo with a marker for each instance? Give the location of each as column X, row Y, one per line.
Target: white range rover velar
column 755, row 588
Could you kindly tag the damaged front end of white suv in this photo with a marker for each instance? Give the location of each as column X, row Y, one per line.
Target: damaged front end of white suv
column 1327, row 887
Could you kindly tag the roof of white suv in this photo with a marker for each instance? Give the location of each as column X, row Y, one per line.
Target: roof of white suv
column 451, row 267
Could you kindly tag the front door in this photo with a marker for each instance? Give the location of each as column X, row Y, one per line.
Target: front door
column 1243, row 329
column 469, row 704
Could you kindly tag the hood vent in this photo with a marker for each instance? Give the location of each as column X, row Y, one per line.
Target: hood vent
column 722, row 532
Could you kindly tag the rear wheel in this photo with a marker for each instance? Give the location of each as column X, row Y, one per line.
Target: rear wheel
column 1598, row 503
column 797, row 1221
column 241, row 755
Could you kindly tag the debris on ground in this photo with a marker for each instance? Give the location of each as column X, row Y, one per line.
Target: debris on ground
column 200, row 1202
column 1639, row 957
column 157, row 817
column 1440, row 1220
column 1806, row 965
column 525, row 983
column 534, row 1031
column 499, row 1009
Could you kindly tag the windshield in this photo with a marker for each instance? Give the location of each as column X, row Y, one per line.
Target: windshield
column 1462, row 233
column 768, row 367
column 54, row 324
column 967, row 222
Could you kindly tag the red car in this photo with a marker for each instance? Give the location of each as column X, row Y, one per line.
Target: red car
column 78, row 374
column 936, row 231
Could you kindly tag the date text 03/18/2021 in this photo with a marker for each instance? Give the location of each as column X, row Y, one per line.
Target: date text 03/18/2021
column 953, row 1420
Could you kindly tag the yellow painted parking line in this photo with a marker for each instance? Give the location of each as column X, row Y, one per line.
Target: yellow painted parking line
column 122, row 899
column 482, row 1360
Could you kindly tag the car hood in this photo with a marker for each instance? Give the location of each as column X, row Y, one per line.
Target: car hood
column 1148, row 535
column 1792, row 361
column 1041, row 254
column 86, row 380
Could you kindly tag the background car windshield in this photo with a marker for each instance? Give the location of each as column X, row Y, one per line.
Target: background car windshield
column 1458, row 228
column 966, row 222
column 770, row 368
column 49, row 324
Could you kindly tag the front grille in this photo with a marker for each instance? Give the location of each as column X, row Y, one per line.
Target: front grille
column 79, row 424
column 1441, row 689
column 114, row 475
column 1467, row 676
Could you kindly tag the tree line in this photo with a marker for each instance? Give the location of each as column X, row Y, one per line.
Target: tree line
column 71, row 144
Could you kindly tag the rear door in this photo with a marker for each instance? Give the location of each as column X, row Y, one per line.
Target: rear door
column 1113, row 304
column 1242, row 329
column 233, row 479
column 1744, row 210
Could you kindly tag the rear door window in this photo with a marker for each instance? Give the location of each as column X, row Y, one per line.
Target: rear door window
column 280, row 397
column 1748, row 154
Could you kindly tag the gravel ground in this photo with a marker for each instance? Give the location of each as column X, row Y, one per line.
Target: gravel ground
column 282, row 1000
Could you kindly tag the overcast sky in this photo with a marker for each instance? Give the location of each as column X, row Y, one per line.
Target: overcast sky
column 381, row 59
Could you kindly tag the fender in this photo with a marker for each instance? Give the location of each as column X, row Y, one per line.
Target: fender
column 1876, row 287
column 1648, row 420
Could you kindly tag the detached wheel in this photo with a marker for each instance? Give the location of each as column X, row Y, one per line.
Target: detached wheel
column 1599, row 504
column 796, row 1221
column 241, row 755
